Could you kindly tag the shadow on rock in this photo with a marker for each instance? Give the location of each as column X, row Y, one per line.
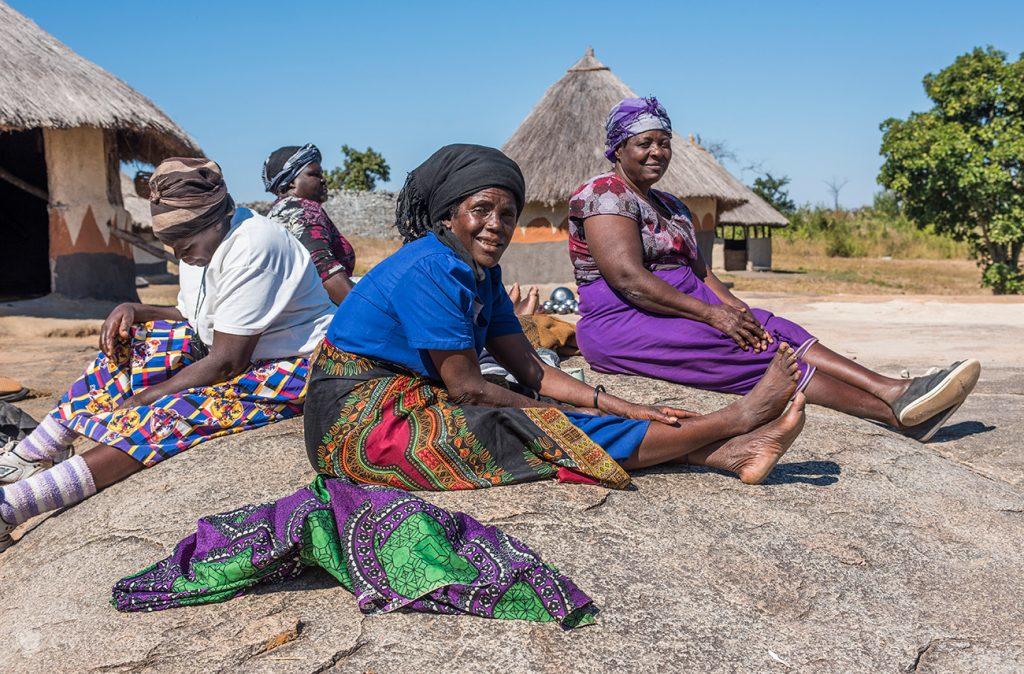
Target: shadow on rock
column 817, row 473
column 961, row 430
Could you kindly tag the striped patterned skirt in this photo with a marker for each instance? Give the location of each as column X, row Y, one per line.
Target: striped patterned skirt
column 270, row 391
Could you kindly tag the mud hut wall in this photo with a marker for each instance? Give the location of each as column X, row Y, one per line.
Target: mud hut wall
column 540, row 223
column 85, row 202
column 759, row 251
column 705, row 216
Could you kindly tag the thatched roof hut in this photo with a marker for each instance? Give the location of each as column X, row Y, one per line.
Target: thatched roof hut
column 561, row 142
column 746, row 235
column 755, row 213
column 43, row 84
column 65, row 126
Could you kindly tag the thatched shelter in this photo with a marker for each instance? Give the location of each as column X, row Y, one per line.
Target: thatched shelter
column 65, row 126
column 561, row 143
column 746, row 235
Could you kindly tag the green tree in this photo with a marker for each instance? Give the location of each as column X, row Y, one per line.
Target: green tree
column 773, row 190
column 960, row 165
column 359, row 171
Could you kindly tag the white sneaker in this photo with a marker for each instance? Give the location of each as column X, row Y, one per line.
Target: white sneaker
column 14, row 468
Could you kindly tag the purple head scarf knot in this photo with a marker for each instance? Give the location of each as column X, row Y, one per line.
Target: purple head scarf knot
column 632, row 116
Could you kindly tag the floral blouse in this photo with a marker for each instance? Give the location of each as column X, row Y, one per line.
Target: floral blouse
column 309, row 223
column 667, row 243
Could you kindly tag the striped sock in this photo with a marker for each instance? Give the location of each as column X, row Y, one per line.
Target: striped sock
column 65, row 484
column 48, row 442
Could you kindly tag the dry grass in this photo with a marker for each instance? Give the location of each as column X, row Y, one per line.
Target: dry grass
column 802, row 269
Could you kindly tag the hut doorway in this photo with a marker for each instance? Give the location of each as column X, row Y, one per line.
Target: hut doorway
column 24, row 218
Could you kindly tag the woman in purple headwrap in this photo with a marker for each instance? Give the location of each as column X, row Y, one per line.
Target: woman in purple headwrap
column 651, row 306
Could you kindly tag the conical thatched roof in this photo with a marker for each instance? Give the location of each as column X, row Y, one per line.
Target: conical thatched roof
column 45, row 84
column 756, row 211
column 561, row 142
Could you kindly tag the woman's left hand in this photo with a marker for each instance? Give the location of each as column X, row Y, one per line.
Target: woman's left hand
column 659, row 413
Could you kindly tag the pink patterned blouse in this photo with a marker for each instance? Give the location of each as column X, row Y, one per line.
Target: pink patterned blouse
column 309, row 223
column 667, row 242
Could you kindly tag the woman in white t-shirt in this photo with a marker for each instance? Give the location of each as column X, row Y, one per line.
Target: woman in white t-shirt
column 231, row 356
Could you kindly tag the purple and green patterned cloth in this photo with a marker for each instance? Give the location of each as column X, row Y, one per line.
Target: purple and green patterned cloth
column 391, row 549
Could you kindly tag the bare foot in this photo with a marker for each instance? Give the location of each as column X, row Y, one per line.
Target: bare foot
column 531, row 304
column 516, row 295
column 769, row 396
column 753, row 455
column 528, row 306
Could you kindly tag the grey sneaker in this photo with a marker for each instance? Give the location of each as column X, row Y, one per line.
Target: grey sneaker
column 924, row 431
column 5, row 535
column 933, row 394
column 5, row 530
column 13, row 467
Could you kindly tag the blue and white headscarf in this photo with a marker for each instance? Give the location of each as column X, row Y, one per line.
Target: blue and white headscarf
column 633, row 116
column 275, row 178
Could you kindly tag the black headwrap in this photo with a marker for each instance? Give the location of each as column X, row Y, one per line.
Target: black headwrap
column 450, row 175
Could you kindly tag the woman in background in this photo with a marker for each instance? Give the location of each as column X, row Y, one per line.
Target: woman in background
column 295, row 176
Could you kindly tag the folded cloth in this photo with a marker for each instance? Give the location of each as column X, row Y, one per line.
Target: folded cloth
column 547, row 332
column 391, row 549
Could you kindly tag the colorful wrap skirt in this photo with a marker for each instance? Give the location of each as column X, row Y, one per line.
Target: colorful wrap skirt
column 270, row 391
column 376, row 423
column 389, row 548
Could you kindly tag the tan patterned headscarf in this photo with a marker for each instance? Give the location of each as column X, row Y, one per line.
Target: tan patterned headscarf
column 186, row 196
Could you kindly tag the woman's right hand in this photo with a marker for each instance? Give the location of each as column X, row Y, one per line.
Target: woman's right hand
column 739, row 324
column 116, row 328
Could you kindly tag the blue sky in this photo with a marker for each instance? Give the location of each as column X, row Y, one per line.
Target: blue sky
column 798, row 88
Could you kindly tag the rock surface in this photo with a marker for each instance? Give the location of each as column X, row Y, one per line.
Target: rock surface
column 864, row 552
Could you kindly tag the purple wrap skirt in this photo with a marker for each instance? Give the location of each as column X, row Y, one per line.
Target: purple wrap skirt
column 618, row 338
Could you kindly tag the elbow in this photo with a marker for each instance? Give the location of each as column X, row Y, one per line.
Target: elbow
column 629, row 284
column 229, row 368
column 467, row 394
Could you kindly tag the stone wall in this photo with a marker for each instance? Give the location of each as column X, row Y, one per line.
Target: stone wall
column 370, row 214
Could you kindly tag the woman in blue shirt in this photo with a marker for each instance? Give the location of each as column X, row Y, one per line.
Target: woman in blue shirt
column 396, row 395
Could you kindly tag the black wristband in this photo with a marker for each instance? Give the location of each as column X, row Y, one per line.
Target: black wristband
column 597, row 390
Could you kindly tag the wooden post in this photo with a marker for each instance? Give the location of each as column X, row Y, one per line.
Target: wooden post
column 19, row 183
column 142, row 244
